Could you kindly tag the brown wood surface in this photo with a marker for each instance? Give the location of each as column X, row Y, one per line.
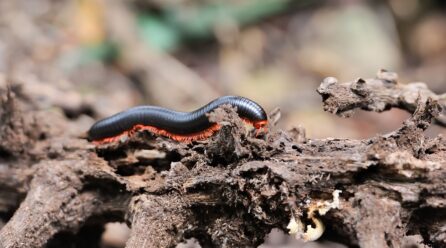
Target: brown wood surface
column 232, row 189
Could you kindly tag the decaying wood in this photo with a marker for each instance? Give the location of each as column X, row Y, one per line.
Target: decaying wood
column 377, row 94
column 230, row 190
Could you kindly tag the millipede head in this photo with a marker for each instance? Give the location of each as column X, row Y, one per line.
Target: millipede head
column 261, row 126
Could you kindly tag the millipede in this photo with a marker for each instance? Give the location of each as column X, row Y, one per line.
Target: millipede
column 179, row 126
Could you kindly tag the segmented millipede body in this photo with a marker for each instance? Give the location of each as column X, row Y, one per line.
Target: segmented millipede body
column 180, row 126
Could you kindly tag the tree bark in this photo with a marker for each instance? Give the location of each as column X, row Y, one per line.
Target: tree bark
column 232, row 189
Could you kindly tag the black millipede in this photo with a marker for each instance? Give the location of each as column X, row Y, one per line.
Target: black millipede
column 180, row 126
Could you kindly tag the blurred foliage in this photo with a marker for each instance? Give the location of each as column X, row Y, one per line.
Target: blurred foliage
column 159, row 34
column 166, row 29
column 88, row 53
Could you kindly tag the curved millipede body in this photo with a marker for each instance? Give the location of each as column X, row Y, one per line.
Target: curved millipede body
column 180, row 126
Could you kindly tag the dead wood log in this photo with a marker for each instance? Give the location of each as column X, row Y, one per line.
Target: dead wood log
column 232, row 189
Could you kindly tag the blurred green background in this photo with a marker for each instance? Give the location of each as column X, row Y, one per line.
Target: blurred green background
column 92, row 58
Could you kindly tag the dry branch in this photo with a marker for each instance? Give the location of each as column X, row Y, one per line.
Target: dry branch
column 377, row 94
column 232, row 189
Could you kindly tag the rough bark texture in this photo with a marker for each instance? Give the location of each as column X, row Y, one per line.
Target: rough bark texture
column 232, row 189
